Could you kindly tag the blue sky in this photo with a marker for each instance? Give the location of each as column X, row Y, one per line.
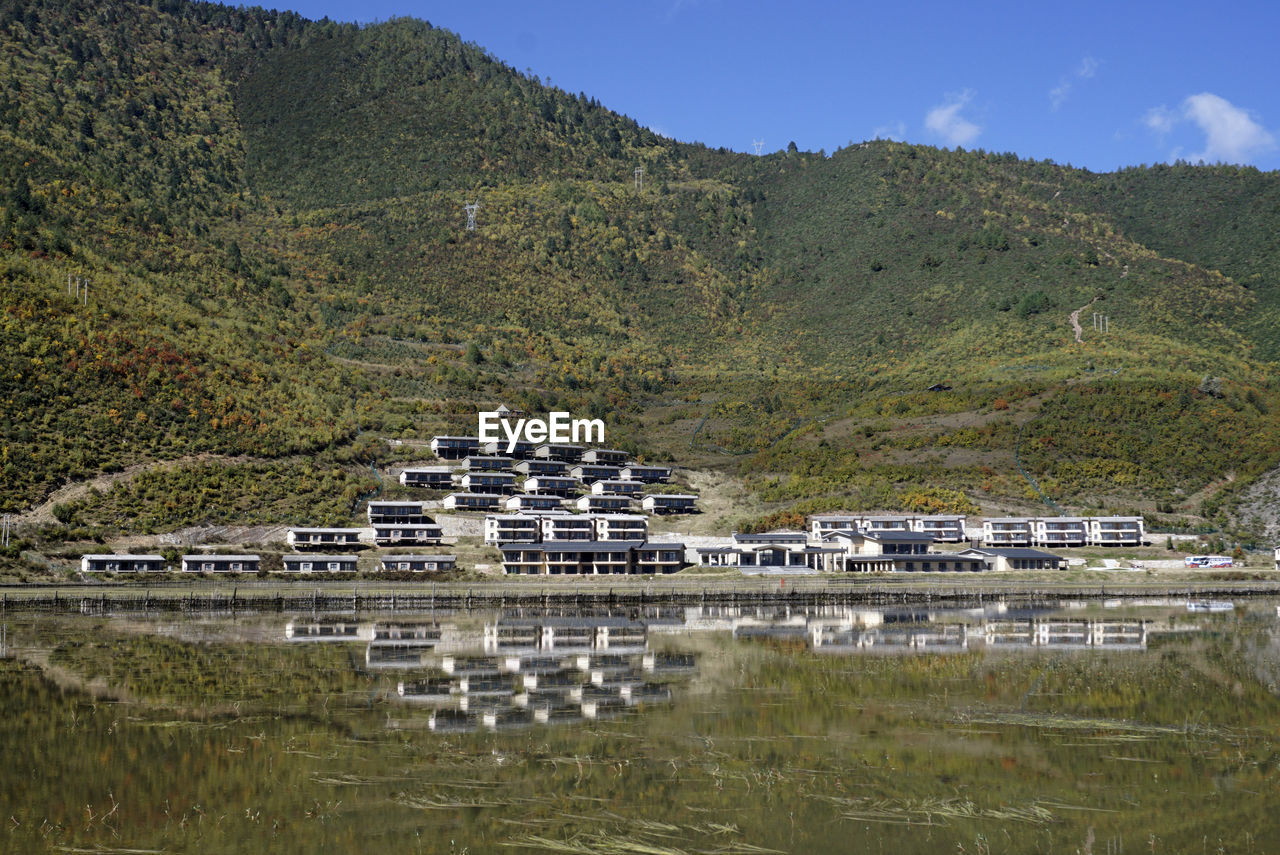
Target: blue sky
column 1094, row 84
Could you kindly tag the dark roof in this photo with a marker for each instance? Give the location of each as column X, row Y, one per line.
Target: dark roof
column 772, row 537
column 574, row 546
column 1011, row 552
column 900, row 536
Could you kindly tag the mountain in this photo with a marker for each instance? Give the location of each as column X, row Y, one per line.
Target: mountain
column 270, row 213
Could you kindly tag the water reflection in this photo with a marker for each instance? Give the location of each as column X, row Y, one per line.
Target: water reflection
column 1047, row 726
column 521, row 667
column 516, row 670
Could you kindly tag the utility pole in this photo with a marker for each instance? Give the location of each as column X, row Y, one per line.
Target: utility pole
column 639, row 177
column 758, row 145
column 471, row 207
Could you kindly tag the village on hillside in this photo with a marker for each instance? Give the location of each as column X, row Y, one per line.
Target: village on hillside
column 560, row 509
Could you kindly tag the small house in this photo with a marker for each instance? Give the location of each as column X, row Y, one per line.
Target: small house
column 430, row 477
column 488, row 463
column 542, row 467
column 488, row 482
column 122, row 564
column 329, row 538
column 407, row 534
column 522, row 450
column 382, row 512
column 589, row 473
column 559, row 451
column 618, row 487
column 607, row 456
column 418, row 563
column 552, row 485
column 603, row 504
column 454, row 447
column 473, row 501
column 221, row 563
column 669, row 503
column 531, row 502
column 314, row 563
column 647, row 474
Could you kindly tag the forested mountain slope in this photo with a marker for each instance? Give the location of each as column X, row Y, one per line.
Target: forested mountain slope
column 271, row 215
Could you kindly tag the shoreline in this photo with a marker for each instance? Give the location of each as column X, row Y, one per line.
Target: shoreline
column 332, row 597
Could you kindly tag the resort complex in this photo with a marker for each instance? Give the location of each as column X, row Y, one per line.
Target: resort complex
column 558, row 509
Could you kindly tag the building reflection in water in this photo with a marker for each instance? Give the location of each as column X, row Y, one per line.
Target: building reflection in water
column 522, row 668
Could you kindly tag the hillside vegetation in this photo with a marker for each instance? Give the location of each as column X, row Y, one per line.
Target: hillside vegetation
column 270, row 213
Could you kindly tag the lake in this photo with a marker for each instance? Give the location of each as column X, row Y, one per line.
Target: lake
column 1054, row 727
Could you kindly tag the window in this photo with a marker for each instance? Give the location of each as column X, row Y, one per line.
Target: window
column 334, row 566
column 305, row 566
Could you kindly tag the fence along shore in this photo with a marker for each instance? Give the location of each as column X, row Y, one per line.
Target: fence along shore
column 457, row 598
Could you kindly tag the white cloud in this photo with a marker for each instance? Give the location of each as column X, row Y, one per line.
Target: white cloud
column 1160, row 119
column 896, row 131
column 945, row 120
column 1231, row 134
column 1087, row 68
column 1059, row 93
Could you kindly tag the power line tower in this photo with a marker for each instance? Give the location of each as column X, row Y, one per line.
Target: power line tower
column 758, row 145
column 471, row 207
column 639, row 177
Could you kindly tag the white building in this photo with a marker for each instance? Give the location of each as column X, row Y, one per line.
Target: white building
column 944, row 528
column 1060, row 531
column 1007, row 531
column 1116, row 531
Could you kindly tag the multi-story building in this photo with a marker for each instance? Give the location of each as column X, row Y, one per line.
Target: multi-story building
column 943, row 528
column 1007, row 531
column 595, row 558
column 621, row 527
column 1116, row 531
column 1057, row 532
